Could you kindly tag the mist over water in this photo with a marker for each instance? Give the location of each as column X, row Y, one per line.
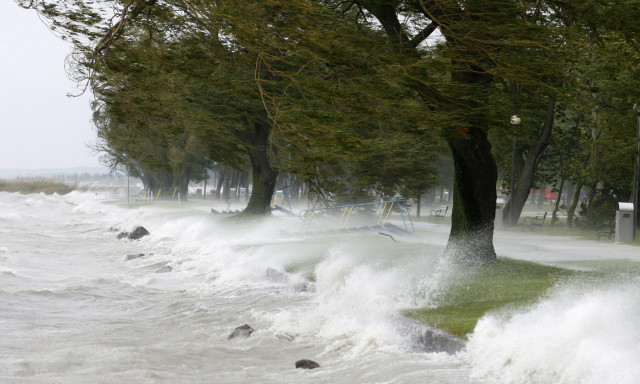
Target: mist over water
column 74, row 310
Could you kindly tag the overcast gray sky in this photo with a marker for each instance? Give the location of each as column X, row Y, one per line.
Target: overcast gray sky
column 40, row 127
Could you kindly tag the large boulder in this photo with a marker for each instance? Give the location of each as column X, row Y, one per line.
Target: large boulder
column 241, row 331
column 307, row 364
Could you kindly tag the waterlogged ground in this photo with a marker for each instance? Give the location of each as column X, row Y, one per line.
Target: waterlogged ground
column 75, row 310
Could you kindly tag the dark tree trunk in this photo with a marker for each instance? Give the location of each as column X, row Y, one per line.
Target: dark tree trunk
column 474, row 198
column 183, row 183
column 221, row 176
column 525, row 181
column 264, row 174
column 234, row 181
column 226, row 185
column 543, row 195
column 574, row 203
column 475, row 175
column 571, row 187
column 554, row 216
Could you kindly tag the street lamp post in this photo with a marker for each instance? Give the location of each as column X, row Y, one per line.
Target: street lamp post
column 636, row 169
column 515, row 121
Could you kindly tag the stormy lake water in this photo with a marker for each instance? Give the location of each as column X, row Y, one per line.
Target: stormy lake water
column 75, row 310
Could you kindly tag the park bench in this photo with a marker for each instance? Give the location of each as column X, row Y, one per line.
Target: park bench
column 533, row 222
column 607, row 230
column 439, row 213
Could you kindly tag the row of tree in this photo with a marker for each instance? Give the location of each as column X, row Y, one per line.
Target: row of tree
column 359, row 97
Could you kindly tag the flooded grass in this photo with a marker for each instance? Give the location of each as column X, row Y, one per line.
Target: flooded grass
column 506, row 283
column 26, row 186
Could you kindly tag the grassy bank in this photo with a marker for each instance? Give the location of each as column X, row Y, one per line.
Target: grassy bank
column 507, row 283
column 26, row 186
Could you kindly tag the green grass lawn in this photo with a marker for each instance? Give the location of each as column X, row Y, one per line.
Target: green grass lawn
column 25, row 186
column 506, row 283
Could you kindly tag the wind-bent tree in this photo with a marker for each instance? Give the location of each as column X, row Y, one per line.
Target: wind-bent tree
column 213, row 74
column 483, row 43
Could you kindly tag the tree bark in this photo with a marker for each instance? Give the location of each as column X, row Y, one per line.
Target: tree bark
column 474, row 198
column 475, row 174
column 525, row 180
column 543, row 195
column 221, row 177
column 574, row 203
column 554, row 216
column 264, row 174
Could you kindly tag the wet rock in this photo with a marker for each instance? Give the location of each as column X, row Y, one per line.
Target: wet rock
column 131, row 257
column 434, row 340
column 164, row 269
column 276, row 276
column 285, row 337
column 137, row 233
column 241, row 331
column 307, row 364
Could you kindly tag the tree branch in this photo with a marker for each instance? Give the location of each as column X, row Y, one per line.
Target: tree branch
column 424, row 34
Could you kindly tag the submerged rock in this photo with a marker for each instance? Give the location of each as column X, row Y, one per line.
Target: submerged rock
column 164, row 269
column 276, row 276
column 307, row 364
column 285, row 337
column 435, row 340
column 131, row 257
column 241, row 331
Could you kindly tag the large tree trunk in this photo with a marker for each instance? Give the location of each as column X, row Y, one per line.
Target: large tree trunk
column 182, row 183
column 474, row 198
column 264, row 174
column 474, row 186
column 525, row 181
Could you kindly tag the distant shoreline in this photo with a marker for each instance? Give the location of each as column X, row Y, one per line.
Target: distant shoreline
column 12, row 173
column 35, row 185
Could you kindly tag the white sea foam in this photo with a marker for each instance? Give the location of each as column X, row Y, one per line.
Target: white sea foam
column 581, row 334
column 75, row 308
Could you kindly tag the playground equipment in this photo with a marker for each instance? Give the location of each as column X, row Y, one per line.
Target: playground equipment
column 347, row 210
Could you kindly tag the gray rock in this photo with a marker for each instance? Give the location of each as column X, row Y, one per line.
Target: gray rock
column 285, row 337
column 435, row 340
column 307, row 364
column 138, row 233
column 131, row 257
column 164, row 269
column 241, row 331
